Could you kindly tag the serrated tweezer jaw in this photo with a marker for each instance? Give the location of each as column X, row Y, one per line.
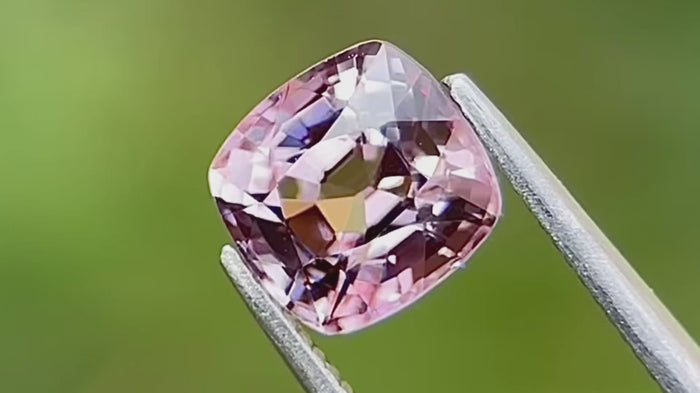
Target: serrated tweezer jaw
column 306, row 361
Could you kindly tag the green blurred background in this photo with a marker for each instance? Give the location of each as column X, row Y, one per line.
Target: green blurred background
column 110, row 112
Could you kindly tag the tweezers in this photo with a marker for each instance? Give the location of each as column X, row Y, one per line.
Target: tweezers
column 658, row 340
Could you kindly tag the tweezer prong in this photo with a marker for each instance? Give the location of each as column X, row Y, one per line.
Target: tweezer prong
column 658, row 340
column 307, row 362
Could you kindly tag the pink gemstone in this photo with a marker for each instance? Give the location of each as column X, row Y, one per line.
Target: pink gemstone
column 355, row 188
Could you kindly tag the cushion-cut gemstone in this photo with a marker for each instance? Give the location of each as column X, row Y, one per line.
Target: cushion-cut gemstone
column 355, row 188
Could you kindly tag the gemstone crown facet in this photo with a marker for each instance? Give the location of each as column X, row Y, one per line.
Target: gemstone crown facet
column 355, row 188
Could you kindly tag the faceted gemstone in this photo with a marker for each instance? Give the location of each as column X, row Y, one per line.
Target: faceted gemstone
column 355, row 188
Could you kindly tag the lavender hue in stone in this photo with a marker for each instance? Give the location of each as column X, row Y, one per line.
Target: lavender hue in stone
column 355, row 188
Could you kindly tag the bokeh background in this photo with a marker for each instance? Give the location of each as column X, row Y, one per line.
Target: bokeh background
column 110, row 112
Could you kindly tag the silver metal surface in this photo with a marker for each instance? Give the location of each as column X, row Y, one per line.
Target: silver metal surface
column 658, row 340
column 307, row 362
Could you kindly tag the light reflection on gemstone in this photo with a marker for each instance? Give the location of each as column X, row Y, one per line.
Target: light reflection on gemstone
column 355, row 188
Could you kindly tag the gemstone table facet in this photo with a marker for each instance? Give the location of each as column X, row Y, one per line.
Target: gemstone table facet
column 355, row 188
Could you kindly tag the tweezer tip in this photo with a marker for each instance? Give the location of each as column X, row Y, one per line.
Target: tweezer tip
column 308, row 363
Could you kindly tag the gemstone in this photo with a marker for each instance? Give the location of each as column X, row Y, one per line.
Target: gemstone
column 355, row 188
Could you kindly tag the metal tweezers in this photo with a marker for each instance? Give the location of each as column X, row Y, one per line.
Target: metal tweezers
column 659, row 341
